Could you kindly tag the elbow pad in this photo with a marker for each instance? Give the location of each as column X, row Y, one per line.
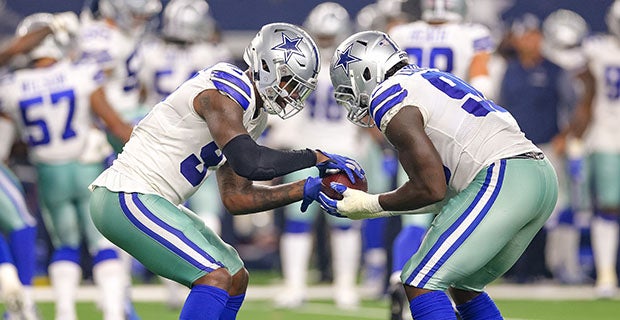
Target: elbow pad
column 256, row 162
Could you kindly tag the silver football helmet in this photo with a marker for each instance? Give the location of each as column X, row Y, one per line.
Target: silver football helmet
column 564, row 29
column 188, row 20
column 50, row 47
column 129, row 15
column 444, row 10
column 613, row 18
column 359, row 64
column 284, row 61
column 328, row 20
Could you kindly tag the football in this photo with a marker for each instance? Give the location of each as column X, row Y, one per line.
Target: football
column 341, row 177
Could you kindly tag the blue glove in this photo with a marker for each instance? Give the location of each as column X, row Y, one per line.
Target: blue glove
column 330, row 205
column 342, row 163
column 312, row 188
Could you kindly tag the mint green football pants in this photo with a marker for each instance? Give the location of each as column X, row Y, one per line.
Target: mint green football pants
column 482, row 231
column 169, row 240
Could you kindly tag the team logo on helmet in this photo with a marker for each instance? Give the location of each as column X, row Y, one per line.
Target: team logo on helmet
column 345, row 58
column 289, row 46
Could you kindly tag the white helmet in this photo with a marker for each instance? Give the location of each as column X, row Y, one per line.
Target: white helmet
column 444, row 10
column 359, row 64
column 282, row 52
column 50, row 47
column 129, row 15
column 613, row 18
column 564, row 29
column 188, row 20
column 329, row 19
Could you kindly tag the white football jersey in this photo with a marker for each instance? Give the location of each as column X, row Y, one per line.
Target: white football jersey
column 322, row 124
column 603, row 55
column 117, row 53
column 51, row 107
column 171, row 151
column 168, row 65
column 448, row 47
column 469, row 131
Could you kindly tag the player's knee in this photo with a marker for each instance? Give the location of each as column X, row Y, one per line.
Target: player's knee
column 240, row 281
column 219, row 278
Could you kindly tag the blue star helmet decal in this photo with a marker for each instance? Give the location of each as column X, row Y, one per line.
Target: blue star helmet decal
column 345, row 58
column 289, row 46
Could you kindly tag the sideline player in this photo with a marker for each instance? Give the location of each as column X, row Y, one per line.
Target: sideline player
column 316, row 126
column 599, row 115
column 51, row 101
column 464, row 155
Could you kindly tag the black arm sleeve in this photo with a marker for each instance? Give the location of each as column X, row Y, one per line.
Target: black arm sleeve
column 256, row 162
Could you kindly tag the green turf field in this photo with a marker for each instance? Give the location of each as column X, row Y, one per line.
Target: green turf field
column 325, row 310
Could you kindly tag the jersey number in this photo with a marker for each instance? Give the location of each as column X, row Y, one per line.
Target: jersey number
column 324, row 110
column 476, row 104
column 209, row 157
column 61, row 98
column 612, row 82
column 441, row 58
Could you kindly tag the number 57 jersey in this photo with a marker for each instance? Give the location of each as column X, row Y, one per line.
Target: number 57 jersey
column 52, row 108
column 171, row 151
column 469, row 131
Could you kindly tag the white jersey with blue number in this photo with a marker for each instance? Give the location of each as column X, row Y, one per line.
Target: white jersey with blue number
column 168, row 65
column 469, row 131
column 448, row 47
column 322, row 124
column 603, row 55
column 52, row 108
column 171, row 151
column 116, row 53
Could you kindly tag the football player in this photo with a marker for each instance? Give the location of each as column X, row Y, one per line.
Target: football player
column 184, row 47
column 443, row 39
column 563, row 32
column 463, row 154
column 112, row 41
column 17, row 246
column 317, row 126
column 51, row 101
column 208, row 124
column 599, row 114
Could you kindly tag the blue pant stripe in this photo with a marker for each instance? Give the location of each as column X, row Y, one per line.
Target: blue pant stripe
column 157, row 237
column 479, row 215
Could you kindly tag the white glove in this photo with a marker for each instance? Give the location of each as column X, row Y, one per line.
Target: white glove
column 65, row 25
column 354, row 205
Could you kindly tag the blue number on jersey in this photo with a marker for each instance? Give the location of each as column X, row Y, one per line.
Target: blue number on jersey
column 325, row 110
column 436, row 54
column 131, row 82
column 30, row 122
column 612, row 82
column 208, row 158
column 456, row 88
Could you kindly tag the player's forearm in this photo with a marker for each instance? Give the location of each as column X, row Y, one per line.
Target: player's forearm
column 258, row 198
column 23, row 44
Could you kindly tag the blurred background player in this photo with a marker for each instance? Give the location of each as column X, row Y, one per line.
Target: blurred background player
column 51, row 101
column 321, row 124
column 110, row 36
column 443, row 39
column 185, row 46
column 596, row 120
column 17, row 242
column 563, row 32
